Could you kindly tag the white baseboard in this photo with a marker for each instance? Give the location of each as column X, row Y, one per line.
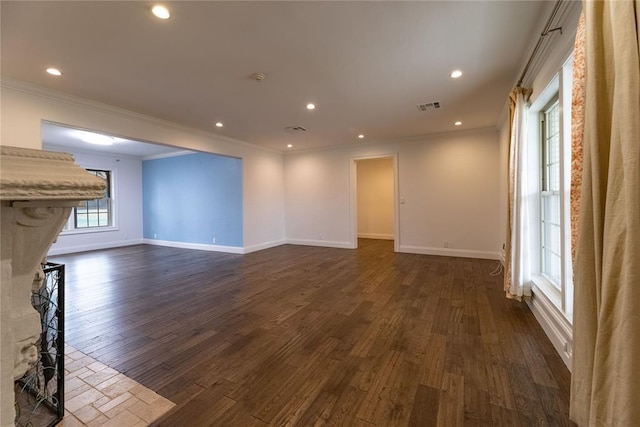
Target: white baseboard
column 167, row 243
column 261, row 246
column 555, row 325
column 93, row 247
column 375, row 236
column 197, row 246
column 324, row 243
column 463, row 253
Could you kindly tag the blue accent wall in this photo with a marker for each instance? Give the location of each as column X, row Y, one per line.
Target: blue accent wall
column 192, row 199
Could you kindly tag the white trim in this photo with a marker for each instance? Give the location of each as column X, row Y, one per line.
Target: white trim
column 93, row 247
column 166, row 243
column 87, row 230
column 53, row 147
column 553, row 322
column 166, row 155
column 462, row 253
column 261, row 246
column 196, row 246
column 549, row 288
column 353, row 195
column 385, row 142
column 323, row 243
column 375, row 236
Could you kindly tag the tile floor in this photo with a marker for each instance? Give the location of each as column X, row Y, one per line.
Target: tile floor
column 97, row 395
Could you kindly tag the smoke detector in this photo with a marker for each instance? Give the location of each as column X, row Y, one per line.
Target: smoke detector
column 258, row 76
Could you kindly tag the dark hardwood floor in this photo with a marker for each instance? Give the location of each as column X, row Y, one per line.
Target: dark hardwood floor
column 309, row 336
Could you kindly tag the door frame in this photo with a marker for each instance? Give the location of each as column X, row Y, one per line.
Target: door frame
column 353, row 199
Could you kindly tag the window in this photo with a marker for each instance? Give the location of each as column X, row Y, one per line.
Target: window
column 550, row 172
column 93, row 214
column 550, row 227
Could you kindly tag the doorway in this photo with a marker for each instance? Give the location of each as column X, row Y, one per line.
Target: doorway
column 374, row 199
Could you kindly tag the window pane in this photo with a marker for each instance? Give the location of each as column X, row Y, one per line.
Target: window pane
column 554, row 177
column 553, row 209
column 551, row 146
column 550, row 212
column 95, row 213
column 103, row 219
column 81, row 222
column 93, row 219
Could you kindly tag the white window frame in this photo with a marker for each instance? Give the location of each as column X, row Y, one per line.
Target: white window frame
column 560, row 294
column 70, row 226
column 548, row 194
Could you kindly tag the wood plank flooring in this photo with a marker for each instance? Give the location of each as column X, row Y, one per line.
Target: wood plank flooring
column 311, row 336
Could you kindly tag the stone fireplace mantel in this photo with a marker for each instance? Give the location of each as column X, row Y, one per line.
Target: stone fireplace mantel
column 37, row 191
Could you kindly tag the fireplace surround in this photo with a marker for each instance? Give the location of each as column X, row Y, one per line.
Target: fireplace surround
column 38, row 189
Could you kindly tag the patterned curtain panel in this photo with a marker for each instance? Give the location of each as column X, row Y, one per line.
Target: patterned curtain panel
column 605, row 381
column 517, row 271
column 577, row 129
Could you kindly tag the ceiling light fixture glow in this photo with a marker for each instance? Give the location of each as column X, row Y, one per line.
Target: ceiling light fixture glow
column 458, row 123
column 289, row 145
column 219, row 124
column 54, row 71
column 160, row 12
column 96, row 138
column 455, row 74
column 361, row 136
column 311, row 106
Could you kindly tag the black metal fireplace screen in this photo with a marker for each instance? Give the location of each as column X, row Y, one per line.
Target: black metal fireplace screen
column 40, row 392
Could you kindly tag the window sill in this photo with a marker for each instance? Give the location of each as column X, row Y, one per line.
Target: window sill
column 545, row 286
column 88, row 230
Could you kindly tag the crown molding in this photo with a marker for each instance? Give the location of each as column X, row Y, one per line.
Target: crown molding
column 42, row 92
column 384, row 142
column 172, row 154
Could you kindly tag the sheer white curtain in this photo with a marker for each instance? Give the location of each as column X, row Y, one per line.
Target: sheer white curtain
column 522, row 192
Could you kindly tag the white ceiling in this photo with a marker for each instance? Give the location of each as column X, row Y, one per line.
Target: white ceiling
column 366, row 65
column 63, row 138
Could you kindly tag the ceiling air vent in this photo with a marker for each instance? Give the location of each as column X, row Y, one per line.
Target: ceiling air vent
column 295, row 129
column 428, row 106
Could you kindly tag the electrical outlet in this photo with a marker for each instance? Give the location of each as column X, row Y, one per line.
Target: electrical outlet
column 214, row 240
column 155, row 236
column 445, row 244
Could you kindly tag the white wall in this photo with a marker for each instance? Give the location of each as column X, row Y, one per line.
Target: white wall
column 375, row 198
column 127, row 195
column 24, row 107
column 317, row 198
column 449, row 184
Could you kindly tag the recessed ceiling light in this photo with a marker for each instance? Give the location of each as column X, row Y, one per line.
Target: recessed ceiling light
column 219, row 124
column 160, row 12
column 54, row 71
column 258, row 76
column 455, row 74
column 361, row 136
column 458, row 123
column 311, row 106
column 289, row 145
